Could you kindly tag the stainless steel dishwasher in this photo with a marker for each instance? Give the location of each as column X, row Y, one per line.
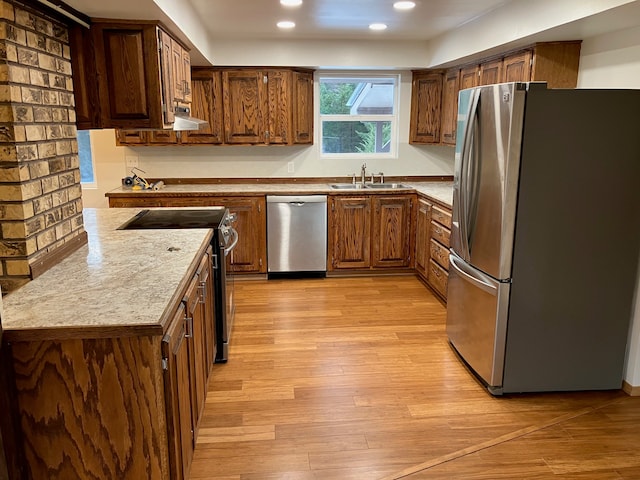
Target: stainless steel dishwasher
column 296, row 235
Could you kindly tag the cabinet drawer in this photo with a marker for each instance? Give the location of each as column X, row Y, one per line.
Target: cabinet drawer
column 440, row 254
column 440, row 233
column 441, row 216
column 438, row 278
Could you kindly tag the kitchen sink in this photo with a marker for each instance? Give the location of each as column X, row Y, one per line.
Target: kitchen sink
column 387, row 185
column 346, row 186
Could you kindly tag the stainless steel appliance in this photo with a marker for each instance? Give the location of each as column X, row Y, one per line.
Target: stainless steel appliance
column 224, row 240
column 296, row 235
column 545, row 235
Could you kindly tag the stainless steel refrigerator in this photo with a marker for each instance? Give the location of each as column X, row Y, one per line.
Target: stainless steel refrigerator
column 545, row 236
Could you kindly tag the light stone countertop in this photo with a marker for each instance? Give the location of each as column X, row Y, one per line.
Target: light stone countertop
column 439, row 191
column 119, row 278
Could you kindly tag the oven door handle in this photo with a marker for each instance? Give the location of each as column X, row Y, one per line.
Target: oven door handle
column 234, row 242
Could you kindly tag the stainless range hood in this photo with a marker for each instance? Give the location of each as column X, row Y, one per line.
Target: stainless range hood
column 184, row 121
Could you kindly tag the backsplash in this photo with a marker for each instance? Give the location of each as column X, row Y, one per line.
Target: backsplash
column 40, row 193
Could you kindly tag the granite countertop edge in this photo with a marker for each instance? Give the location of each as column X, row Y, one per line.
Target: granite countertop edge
column 441, row 191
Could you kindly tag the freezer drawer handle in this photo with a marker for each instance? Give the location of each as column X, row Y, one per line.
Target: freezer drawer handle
column 478, row 282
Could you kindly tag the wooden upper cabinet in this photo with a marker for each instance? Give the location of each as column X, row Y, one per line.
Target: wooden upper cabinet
column 469, row 76
column 127, row 70
column 245, row 101
column 279, row 108
column 206, row 104
column 517, row 67
column 302, row 107
column 491, row 72
column 449, row 117
column 556, row 63
column 426, row 104
column 267, row 106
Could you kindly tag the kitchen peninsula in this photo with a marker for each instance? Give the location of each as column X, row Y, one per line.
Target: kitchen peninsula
column 91, row 343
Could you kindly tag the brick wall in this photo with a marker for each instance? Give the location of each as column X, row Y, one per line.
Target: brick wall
column 40, row 193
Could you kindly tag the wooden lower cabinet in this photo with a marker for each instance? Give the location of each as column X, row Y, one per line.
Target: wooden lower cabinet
column 250, row 255
column 370, row 232
column 119, row 403
column 433, row 231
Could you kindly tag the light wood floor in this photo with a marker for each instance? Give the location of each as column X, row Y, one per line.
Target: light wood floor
column 353, row 378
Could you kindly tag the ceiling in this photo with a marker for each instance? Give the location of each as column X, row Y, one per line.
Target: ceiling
column 315, row 19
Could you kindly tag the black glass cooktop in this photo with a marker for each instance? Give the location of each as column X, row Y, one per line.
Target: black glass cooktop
column 178, row 218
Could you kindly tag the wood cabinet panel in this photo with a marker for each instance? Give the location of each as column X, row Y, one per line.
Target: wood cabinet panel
column 250, row 253
column 206, row 104
column 423, row 223
column 438, row 278
column 178, row 394
column 450, row 106
column 279, row 109
column 517, row 67
column 161, row 137
column 469, row 76
column 491, row 72
column 426, row 103
column 350, row 232
column 392, row 231
column 131, row 137
column 302, row 107
column 245, row 103
column 85, row 81
column 439, row 232
column 439, row 253
column 101, row 400
column 556, row 63
column 441, row 216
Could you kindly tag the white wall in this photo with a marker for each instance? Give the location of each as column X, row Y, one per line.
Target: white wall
column 613, row 61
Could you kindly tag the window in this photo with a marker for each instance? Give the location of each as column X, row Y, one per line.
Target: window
column 87, row 178
column 358, row 115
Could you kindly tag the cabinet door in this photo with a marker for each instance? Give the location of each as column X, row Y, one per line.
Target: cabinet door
column 279, row 107
column 186, row 76
column 450, row 107
column 469, row 77
column 350, row 232
column 517, row 67
column 250, row 253
column 206, row 105
column 197, row 357
column 426, row 100
column 244, row 103
column 302, row 107
column 177, row 69
column 162, row 137
column 85, row 80
column 491, row 72
column 177, row 386
column 422, row 236
column 205, row 284
column 131, row 137
column 392, row 231
column 167, row 75
column 129, row 76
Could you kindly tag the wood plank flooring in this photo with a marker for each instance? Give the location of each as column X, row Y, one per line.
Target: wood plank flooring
column 353, row 378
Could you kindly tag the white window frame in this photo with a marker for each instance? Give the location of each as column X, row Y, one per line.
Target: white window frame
column 393, row 118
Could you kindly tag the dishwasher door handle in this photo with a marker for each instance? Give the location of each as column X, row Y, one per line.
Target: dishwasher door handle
column 297, row 204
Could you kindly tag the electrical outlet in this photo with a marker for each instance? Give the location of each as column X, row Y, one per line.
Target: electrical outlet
column 131, row 161
column 290, row 167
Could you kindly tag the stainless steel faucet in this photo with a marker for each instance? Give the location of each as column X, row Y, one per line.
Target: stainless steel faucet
column 363, row 174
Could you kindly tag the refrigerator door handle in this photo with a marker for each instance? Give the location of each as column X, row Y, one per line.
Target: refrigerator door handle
column 466, row 173
column 480, row 280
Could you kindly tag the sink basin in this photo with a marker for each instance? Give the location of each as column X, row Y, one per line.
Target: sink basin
column 387, row 185
column 346, row 186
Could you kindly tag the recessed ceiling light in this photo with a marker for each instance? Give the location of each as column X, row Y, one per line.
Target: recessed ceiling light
column 404, row 5
column 378, row 26
column 291, row 3
column 286, row 24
